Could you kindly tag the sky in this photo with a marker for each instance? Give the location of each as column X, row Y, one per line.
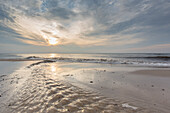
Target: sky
column 85, row 26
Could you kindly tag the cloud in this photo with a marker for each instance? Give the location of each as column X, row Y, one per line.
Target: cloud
column 61, row 13
column 92, row 23
column 153, row 48
column 4, row 14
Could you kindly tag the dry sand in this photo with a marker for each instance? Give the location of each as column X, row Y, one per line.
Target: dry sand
column 78, row 88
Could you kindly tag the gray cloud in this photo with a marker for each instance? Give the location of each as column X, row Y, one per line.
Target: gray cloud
column 62, row 13
column 82, row 22
column 5, row 13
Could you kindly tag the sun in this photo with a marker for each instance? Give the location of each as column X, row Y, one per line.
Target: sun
column 52, row 41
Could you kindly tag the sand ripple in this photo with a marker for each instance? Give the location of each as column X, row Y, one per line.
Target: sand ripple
column 41, row 93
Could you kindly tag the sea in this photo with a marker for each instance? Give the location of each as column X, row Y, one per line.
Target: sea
column 133, row 59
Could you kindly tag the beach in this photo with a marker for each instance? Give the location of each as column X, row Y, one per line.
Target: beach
column 48, row 86
column 84, row 56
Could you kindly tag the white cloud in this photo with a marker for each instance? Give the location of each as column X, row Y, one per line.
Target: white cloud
column 86, row 22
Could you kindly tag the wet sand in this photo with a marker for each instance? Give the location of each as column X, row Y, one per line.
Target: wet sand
column 18, row 60
column 85, row 88
column 128, row 84
column 158, row 72
column 12, row 75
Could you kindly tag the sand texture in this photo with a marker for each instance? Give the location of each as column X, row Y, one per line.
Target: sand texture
column 52, row 87
column 43, row 93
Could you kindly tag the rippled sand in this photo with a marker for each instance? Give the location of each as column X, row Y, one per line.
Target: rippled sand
column 43, row 93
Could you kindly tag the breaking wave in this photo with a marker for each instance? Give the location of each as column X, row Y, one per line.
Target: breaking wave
column 102, row 61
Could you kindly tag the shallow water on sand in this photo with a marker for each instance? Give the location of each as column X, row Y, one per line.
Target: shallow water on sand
column 42, row 92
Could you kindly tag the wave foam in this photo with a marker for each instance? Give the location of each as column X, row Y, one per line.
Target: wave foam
column 101, row 61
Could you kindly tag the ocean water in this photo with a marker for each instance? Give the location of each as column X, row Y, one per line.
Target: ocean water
column 137, row 59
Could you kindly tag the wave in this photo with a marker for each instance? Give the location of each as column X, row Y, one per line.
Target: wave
column 136, row 62
column 101, row 61
column 151, row 57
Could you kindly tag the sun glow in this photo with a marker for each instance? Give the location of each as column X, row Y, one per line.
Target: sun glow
column 52, row 41
column 52, row 55
column 53, row 68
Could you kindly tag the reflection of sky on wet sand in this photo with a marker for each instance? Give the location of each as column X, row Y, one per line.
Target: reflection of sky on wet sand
column 44, row 93
column 56, row 70
column 53, row 68
column 112, row 80
column 109, row 80
column 8, row 67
